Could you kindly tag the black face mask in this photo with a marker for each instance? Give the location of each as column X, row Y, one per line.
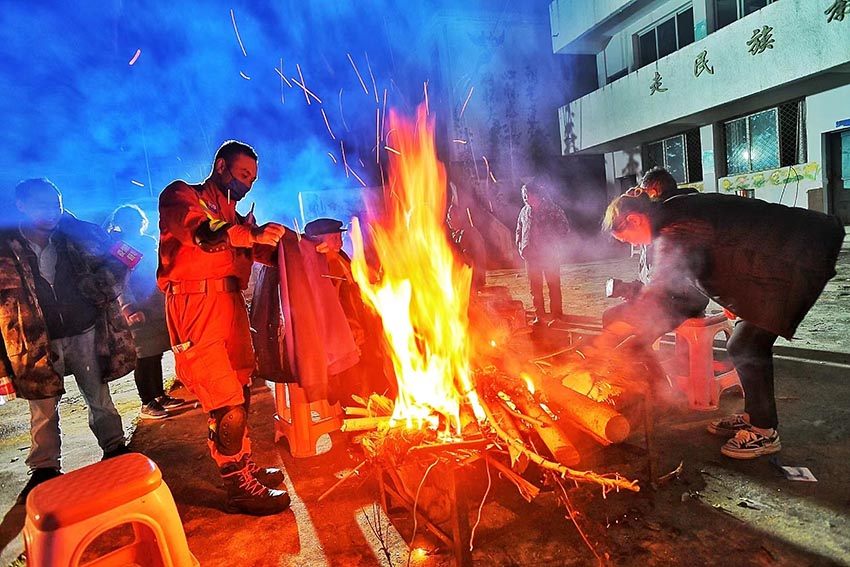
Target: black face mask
column 234, row 188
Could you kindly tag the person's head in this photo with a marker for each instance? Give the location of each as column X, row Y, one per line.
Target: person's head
column 235, row 168
column 128, row 219
column 628, row 217
column 532, row 194
column 658, row 182
column 325, row 231
column 40, row 203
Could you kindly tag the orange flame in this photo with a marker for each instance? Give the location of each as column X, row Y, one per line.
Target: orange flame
column 423, row 293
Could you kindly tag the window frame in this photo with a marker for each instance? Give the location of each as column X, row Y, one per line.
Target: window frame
column 789, row 151
column 653, row 29
column 739, row 10
column 690, row 168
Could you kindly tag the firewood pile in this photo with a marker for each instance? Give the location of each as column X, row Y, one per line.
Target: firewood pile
column 529, row 419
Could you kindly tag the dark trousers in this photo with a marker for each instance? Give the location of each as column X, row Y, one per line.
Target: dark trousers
column 751, row 350
column 148, row 376
column 551, row 272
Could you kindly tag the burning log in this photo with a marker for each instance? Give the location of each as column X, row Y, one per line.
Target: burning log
column 561, row 448
column 601, row 421
column 518, row 459
column 366, row 423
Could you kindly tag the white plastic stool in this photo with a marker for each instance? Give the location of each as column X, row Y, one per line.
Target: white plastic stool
column 706, row 378
column 67, row 513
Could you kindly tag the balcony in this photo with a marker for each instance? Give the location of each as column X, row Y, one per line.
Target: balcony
column 807, row 55
column 585, row 26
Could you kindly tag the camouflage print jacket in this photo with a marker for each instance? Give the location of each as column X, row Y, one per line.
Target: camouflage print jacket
column 25, row 351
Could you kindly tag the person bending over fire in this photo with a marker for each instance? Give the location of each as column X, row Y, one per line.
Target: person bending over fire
column 205, row 256
column 766, row 263
column 658, row 185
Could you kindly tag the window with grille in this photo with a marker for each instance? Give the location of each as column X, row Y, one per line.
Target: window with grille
column 681, row 155
column 666, row 37
column 769, row 139
column 728, row 11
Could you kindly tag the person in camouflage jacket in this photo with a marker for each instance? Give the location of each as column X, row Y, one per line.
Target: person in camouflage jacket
column 59, row 315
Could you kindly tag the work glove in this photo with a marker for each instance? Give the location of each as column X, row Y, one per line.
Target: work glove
column 245, row 236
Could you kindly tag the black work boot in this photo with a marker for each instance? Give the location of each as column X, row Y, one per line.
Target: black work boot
column 269, row 477
column 37, row 477
column 246, row 495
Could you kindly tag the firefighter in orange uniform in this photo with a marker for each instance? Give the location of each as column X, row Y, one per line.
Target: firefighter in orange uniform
column 205, row 256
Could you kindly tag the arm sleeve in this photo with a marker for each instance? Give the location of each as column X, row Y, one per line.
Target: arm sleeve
column 181, row 214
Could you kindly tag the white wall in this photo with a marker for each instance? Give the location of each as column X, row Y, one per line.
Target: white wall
column 823, row 110
column 805, row 47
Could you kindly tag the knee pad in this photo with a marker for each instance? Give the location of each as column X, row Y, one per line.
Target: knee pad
column 227, row 428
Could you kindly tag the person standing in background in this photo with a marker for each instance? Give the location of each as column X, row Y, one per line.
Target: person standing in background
column 127, row 224
column 60, row 313
column 542, row 230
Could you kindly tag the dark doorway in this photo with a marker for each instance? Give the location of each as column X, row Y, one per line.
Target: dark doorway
column 838, row 174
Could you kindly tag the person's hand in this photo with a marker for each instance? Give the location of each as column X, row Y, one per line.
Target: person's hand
column 245, row 236
column 132, row 316
column 270, row 233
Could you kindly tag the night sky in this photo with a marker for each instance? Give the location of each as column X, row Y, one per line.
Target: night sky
column 114, row 99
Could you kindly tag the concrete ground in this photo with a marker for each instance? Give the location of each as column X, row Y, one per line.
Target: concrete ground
column 716, row 511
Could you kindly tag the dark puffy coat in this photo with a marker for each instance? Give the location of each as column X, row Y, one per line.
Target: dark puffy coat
column 765, row 262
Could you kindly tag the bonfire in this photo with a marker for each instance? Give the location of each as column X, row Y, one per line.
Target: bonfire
column 453, row 400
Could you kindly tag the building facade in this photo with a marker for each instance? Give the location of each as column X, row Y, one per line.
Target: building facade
column 738, row 96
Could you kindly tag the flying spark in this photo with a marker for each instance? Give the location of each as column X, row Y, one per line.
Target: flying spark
column 374, row 86
column 344, row 160
column 393, row 150
column 301, row 84
column 332, row 157
column 137, row 183
column 135, row 57
column 425, row 88
column 469, row 216
column 357, row 177
column 362, row 84
column 341, row 113
column 466, row 102
column 459, row 141
column 244, row 76
column 307, row 92
column 239, row 39
column 325, row 116
column 288, row 84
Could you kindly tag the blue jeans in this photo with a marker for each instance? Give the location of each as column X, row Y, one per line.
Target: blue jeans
column 77, row 354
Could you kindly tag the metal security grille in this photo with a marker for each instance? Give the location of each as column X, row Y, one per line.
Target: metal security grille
column 681, row 155
column 769, row 139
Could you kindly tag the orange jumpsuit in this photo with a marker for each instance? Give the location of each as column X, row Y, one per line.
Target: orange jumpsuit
column 205, row 310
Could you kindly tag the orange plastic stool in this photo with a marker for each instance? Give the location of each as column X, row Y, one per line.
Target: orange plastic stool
column 67, row 513
column 706, row 378
column 300, row 421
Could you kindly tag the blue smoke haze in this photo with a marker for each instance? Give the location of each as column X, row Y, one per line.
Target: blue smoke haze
column 76, row 111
